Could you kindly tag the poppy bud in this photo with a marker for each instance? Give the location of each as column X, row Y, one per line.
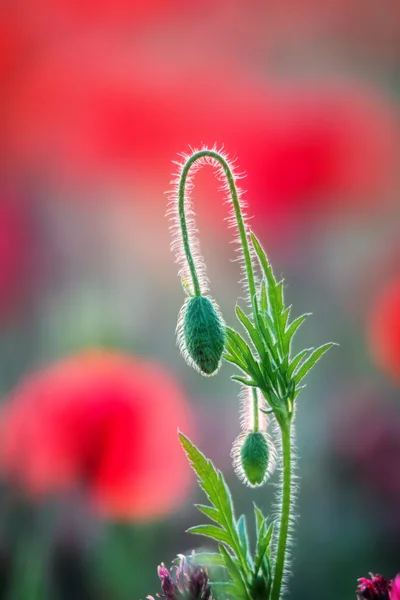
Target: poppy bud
column 201, row 334
column 254, row 457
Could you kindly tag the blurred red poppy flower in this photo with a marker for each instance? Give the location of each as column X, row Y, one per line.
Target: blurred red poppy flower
column 384, row 328
column 60, row 16
column 97, row 106
column 104, row 421
column 19, row 253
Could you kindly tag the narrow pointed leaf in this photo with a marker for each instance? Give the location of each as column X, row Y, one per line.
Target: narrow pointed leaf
column 214, row 485
column 237, row 346
column 211, row 512
column 234, row 572
column 243, row 536
column 252, row 331
column 293, row 327
column 235, row 361
column 244, row 381
column 211, row 531
column 294, row 363
column 311, row 361
column 263, row 260
column 263, row 544
column 260, row 519
column 263, row 297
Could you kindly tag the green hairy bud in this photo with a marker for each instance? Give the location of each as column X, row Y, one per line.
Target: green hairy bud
column 254, row 457
column 201, row 334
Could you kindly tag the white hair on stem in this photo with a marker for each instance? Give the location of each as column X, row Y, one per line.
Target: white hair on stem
column 276, row 507
column 177, row 245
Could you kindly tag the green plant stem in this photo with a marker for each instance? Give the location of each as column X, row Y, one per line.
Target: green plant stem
column 238, row 214
column 285, row 510
column 255, row 409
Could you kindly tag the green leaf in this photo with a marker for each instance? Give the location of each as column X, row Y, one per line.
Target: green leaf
column 252, row 331
column 234, row 572
column 211, row 512
column 265, row 265
column 235, row 361
column 227, row 587
column 291, row 330
column 260, row 520
column 244, row 381
column 272, row 302
column 311, row 360
column 237, row 347
column 211, row 531
column 294, row 363
column 244, row 538
column 267, row 538
column 208, row 559
column 264, row 537
column 213, row 483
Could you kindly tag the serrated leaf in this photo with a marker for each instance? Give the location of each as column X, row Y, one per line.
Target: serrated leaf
column 211, row 531
column 211, row 512
column 311, row 361
column 213, row 483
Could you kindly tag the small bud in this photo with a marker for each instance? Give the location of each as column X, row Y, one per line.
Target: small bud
column 201, row 334
column 254, row 457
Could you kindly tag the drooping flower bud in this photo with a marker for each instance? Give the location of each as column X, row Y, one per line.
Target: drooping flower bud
column 201, row 334
column 254, row 458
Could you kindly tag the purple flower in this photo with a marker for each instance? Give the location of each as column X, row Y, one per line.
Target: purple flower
column 395, row 591
column 190, row 582
column 376, row 588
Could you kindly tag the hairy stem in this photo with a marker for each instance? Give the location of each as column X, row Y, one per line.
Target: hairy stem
column 285, row 511
column 238, row 214
column 256, row 423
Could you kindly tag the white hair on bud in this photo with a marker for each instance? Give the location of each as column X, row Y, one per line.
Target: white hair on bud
column 180, row 336
column 173, row 213
column 247, row 426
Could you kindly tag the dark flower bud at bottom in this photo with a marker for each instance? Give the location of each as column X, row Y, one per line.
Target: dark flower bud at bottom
column 254, row 457
column 202, row 339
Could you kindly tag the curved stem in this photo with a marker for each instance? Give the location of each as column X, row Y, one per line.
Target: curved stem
column 238, row 214
column 285, row 511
